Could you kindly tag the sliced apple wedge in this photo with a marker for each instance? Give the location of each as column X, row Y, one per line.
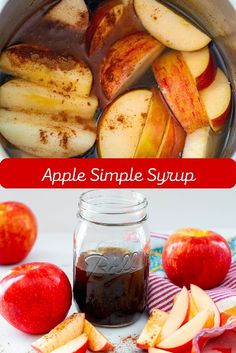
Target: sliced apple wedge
column 45, row 67
column 168, row 27
column 48, row 136
column 96, row 341
column 203, row 301
column 193, row 311
column 180, row 137
column 154, row 128
column 121, row 124
column 202, row 66
column 103, row 22
column 68, row 330
column 77, row 345
column 168, row 140
column 177, row 316
column 202, row 143
column 152, row 329
column 73, row 13
column 126, row 62
column 21, row 95
column 173, row 76
column 216, row 99
column 181, row 340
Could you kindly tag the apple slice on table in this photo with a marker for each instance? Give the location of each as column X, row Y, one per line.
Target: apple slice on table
column 73, row 13
column 154, row 128
column 21, row 95
column 168, row 27
column 202, row 66
column 126, row 61
column 181, row 339
column 203, row 301
column 103, row 22
column 121, row 124
column 179, row 90
column 152, row 329
column 48, row 136
column 216, row 99
column 202, row 143
column 77, row 345
column 66, row 331
column 96, row 341
column 177, row 316
column 46, row 68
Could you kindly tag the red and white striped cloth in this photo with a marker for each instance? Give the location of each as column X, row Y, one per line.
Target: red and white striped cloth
column 161, row 291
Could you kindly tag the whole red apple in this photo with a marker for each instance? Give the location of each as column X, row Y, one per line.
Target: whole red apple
column 18, row 232
column 35, row 297
column 193, row 256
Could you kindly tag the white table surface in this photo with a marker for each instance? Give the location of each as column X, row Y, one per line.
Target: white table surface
column 57, row 248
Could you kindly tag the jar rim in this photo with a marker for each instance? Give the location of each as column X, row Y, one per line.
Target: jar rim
column 112, row 201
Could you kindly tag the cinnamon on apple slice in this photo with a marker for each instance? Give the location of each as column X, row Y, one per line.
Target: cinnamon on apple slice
column 179, row 89
column 103, row 22
column 96, row 341
column 152, row 329
column 72, row 13
column 126, row 61
column 66, row 331
column 45, row 67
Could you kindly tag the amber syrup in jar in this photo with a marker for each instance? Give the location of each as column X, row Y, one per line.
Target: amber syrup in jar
column 110, row 285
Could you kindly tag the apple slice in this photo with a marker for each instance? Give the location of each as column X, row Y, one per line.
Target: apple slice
column 154, row 128
column 66, row 331
column 181, row 340
column 203, row 301
column 73, row 13
column 173, row 76
column 168, row 27
column 46, row 68
column 216, row 99
column 103, row 22
column 177, row 316
column 77, row 345
column 121, row 124
column 152, row 329
column 96, row 341
column 48, row 136
column 126, row 62
column 202, row 143
column 179, row 142
column 21, row 95
column 193, row 311
column 202, row 66
column 168, row 140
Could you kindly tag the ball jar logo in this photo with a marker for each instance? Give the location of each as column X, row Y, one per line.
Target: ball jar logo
column 114, row 263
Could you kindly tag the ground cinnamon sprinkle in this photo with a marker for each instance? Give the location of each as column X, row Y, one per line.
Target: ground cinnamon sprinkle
column 126, row 345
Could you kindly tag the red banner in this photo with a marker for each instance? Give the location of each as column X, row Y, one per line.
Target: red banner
column 118, row 173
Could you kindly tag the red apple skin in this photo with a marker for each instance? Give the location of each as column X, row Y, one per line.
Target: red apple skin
column 18, row 232
column 218, row 123
column 208, row 76
column 200, row 260
column 35, row 297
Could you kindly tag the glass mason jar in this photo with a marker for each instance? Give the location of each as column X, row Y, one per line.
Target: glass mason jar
column 111, row 257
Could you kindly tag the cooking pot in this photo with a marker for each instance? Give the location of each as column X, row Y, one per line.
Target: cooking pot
column 218, row 17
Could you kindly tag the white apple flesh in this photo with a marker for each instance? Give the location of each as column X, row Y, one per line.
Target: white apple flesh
column 68, row 330
column 96, row 341
column 178, row 314
column 121, row 124
column 216, row 99
column 77, row 345
column 181, row 339
column 201, row 143
column 202, row 301
column 168, row 27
